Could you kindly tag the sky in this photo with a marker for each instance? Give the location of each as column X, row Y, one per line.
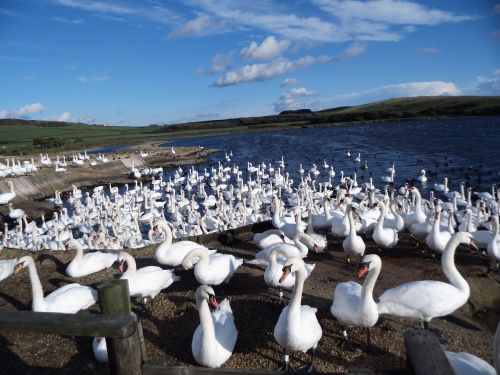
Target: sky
column 122, row 62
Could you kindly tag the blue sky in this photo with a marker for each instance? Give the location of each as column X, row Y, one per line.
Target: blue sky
column 123, row 62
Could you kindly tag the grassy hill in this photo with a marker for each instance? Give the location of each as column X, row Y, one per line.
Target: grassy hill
column 24, row 136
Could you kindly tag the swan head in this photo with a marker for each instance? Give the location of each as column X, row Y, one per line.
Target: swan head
column 23, row 263
column 368, row 263
column 466, row 239
column 205, row 292
column 292, row 265
column 121, row 262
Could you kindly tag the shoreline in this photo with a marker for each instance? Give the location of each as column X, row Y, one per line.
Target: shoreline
column 30, row 189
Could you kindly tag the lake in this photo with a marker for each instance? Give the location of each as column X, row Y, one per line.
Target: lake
column 462, row 149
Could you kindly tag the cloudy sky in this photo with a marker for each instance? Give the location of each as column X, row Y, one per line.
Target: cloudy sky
column 125, row 62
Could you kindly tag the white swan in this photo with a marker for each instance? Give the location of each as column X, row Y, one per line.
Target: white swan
column 297, row 327
column 7, row 267
column 318, row 239
column 353, row 305
column 144, row 282
column 68, row 299
column 211, row 269
column 468, row 364
column 298, row 249
column 275, row 269
column 7, row 197
column 172, row 254
column 429, row 299
column 82, row 265
column 100, row 349
column 269, row 237
column 353, row 244
column 385, row 237
column 215, row 337
column 494, row 244
column 437, row 239
column 16, row 213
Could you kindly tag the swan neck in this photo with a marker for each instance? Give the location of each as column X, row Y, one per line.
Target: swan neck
column 197, row 253
column 352, row 228
column 369, row 285
column 131, row 265
column 207, row 324
column 168, row 233
column 36, row 285
column 296, row 298
column 449, row 268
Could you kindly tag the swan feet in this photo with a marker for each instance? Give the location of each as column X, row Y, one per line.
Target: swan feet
column 346, row 345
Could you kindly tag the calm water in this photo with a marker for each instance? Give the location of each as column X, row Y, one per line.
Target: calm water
column 464, row 149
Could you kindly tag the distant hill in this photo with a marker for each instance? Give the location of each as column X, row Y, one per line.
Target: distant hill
column 18, row 136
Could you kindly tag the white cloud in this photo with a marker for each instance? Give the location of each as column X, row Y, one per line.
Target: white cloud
column 496, row 9
column 394, row 12
column 269, row 49
column 22, row 112
column 220, row 63
column 430, row 50
column 279, row 66
column 200, row 26
column 98, row 77
column 116, row 10
column 290, row 82
column 64, row 117
column 74, row 21
column 341, row 21
column 262, row 72
column 409, row 89
column 29, row 77
column 292, row 99
column 488, row 85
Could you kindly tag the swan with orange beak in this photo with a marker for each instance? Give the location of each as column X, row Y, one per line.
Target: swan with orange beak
column 353, row 305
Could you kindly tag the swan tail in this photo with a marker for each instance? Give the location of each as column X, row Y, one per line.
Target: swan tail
column 237, row 262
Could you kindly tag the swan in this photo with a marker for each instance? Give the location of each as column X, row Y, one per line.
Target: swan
column 169, row 253
column 422, row 178
column 7, row 267
column 68, row 299
column 437, row 239
column 468, row 364
column 83, row 265
column 144, row 282
column 318, row 239
column 298, row 249
column 275, row 269
column 397, row 221
column 429, row 299
column 494, row 244
column 100, row 349
column 215, row 337
column 269, row 237
column 297, row 327
column 7, row 197
column 385, row 237
column 353, row 244
column 353, row 305
column 211, row 269
column 15, row 213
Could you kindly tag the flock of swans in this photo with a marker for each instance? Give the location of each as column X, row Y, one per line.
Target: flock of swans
column 155, row 213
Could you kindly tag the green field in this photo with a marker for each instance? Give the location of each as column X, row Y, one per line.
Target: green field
column 17, row 136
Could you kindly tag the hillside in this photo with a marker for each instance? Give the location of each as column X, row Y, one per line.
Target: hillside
column 23, row 136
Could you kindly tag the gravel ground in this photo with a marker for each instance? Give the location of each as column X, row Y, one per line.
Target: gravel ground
column 169, row 322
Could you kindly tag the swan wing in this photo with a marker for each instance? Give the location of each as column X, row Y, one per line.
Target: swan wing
column 346, row 299
column 421, row 299
column 71, row 298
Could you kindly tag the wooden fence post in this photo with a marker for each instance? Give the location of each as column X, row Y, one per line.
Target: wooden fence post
column 424, row 353
column 125, row 357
